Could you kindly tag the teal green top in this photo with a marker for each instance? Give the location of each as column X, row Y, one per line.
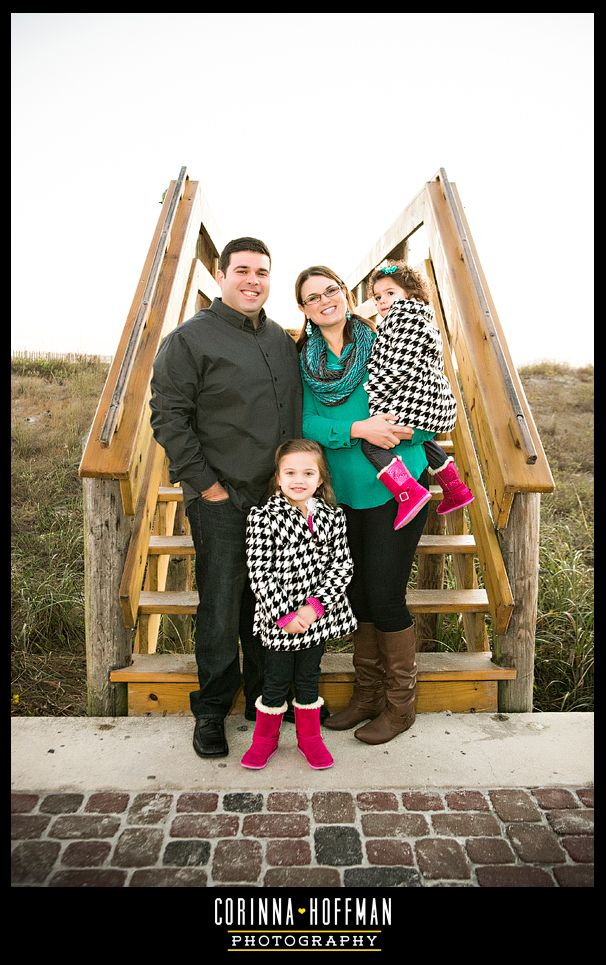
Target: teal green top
column 354, row 478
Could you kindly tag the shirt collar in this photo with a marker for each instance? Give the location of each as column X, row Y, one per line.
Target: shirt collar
column 236, row 318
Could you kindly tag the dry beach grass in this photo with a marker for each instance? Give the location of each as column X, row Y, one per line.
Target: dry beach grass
column 53, row 402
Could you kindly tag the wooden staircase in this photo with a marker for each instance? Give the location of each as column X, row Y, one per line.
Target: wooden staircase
column 139, row 563
column 185, row 602
column 459, row 682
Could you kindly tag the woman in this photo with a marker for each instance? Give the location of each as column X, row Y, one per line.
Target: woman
column 335, row 345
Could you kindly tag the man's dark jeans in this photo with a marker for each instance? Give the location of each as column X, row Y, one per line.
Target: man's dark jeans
column 225, row 612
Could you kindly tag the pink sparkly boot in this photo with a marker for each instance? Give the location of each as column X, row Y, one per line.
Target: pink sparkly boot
column 456, row 493
column 265, row 737
column 309, row 740
column 410, row 495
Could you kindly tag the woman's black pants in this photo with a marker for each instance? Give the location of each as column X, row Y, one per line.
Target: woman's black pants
column 383, row 559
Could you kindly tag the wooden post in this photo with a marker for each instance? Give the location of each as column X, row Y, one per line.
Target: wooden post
column 107, row 531
column 520, row 547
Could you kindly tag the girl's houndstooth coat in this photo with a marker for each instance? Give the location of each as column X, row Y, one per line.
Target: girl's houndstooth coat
column 406, row 370
column 288, row 563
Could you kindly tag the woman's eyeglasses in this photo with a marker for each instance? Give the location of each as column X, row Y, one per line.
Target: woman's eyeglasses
column 329, row 292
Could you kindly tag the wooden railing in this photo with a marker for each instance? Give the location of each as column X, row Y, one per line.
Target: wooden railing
column 496, row 440
column 122, row 468
column 498, row 448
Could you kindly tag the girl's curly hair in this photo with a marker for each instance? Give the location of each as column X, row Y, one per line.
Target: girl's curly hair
column 406, row 277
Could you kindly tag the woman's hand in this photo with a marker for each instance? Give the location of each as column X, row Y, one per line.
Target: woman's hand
column 381, row 431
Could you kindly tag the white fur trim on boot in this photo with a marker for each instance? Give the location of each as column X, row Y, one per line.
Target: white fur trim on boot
column 270, row 710
column 318, row 703
column 385, row 468
column 432, row 472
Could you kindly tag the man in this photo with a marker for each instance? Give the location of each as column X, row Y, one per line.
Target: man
column 226, row 391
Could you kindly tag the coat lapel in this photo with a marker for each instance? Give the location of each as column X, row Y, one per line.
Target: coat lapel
column 283, row 512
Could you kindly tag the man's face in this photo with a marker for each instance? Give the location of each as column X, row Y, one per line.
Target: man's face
column 245, row 284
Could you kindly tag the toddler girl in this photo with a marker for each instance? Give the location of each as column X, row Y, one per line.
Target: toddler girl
column 406, row 377
column 299, row 565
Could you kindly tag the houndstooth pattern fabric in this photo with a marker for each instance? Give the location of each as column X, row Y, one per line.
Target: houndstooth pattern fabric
column 406, row 370
column 288, row 563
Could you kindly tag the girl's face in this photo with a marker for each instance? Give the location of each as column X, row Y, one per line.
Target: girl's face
column 384, row 292
column 328, row 302
column 299, row 476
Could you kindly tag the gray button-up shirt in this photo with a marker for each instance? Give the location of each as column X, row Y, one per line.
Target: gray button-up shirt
column 224, row 396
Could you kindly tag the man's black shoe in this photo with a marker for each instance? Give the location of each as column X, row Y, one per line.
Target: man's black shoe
column 209, row 737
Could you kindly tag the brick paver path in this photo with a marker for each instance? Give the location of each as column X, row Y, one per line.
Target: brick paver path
column 533, row 837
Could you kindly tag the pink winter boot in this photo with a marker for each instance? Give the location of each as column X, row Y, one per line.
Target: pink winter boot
column 408, row 492
column 265, row 737
column 309, row 740
column 456, row 493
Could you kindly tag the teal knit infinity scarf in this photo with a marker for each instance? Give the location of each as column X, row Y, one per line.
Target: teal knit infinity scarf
column 333, row 386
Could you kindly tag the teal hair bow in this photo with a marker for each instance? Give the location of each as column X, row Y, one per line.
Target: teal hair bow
column 389, row 269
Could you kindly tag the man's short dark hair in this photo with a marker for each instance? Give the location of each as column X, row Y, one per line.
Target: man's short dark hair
column 241, row 244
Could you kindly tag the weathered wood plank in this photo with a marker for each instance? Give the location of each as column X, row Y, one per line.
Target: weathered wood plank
column 515, row 648
column 418, row 601
column 478, row 696
column 489, row 552
column 116, row 460
column 107, row 533
column 541, row 467
column 404, row 225
column 504, row 466
column 446, row 543
column 336, row 666
column 136, row 559
column 93, row 450
column 428, row 544
column 167, row 493
column 173, row 545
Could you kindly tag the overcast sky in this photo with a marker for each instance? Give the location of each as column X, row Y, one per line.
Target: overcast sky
column 312, row 132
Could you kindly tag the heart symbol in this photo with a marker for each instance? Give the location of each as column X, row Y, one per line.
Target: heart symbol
column 301, row 910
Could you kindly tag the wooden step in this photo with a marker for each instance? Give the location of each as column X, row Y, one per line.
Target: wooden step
column 168, row 494
column 459, row 682
column 171, row 546
column 184, row 546
column 447, row 544
column 447, row 445
column 418, row 601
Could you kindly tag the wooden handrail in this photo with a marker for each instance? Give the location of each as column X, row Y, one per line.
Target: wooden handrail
column 489, row 552
column 524, row 435
column 112, row 416
column 125, row 457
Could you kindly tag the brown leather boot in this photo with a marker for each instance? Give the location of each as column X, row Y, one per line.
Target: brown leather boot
column 368, row 698
column 399, row 659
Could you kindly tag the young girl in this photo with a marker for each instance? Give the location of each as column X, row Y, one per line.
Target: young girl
column 299, row 565
column 406, row 377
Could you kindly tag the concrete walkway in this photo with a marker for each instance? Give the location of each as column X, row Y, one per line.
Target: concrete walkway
column 459, row 800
